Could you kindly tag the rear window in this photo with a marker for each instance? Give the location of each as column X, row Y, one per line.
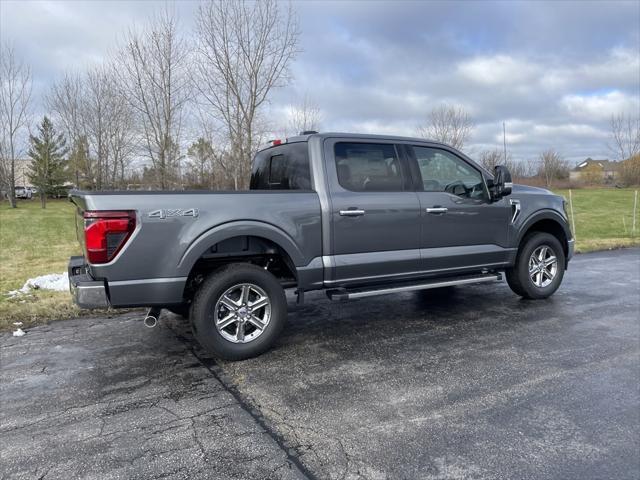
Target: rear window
column 285, row 167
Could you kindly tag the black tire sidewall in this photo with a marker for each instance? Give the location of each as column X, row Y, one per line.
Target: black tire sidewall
column 202, row 311
column 532, row 243
column 180, row 310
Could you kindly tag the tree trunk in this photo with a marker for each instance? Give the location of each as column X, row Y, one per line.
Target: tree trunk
column 12, row 182
column 43, row 199
column 162, row 167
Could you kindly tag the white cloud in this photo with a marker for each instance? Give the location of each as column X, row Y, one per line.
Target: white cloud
column 498, row 70
column 600, row 106
column 569, row 130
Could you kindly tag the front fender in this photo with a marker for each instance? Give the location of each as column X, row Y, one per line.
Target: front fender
column 229, row 230
column 545, row 214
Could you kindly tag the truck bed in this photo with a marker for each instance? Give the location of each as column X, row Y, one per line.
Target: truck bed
column 174, row 229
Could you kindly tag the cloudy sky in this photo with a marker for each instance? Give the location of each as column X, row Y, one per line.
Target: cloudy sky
column 553, row 71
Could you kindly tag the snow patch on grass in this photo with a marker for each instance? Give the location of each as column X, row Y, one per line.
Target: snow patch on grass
column 58, row 282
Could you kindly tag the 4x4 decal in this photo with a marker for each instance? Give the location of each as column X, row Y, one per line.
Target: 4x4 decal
column 174, row 212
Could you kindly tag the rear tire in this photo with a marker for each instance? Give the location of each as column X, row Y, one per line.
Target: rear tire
column 180, row 310
column 238, row 312
column 539, row 267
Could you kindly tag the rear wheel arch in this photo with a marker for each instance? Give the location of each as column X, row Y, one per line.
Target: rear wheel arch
column 255, row 249
column 227, row 231
column 224, row 306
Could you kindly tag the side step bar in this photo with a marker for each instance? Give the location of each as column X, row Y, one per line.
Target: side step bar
column 344, row 294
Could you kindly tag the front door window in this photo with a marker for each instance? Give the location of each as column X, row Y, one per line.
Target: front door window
column 444, row 172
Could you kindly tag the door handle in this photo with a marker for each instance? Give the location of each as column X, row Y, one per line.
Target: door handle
column 352, row 213
column 437, row 210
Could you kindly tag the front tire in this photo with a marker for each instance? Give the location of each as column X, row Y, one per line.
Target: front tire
column 238, row 312
column 539, row 267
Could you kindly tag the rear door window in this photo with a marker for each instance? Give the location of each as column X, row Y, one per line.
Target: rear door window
column 369, row 167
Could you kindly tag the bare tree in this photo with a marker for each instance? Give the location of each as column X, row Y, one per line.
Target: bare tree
column 15, row 95
column 448, row 124
column 303, row 117
column 625, row 136
column 245, row 49
column 97, row 118
column 121, row 139
column 154, row 76
column 66, row 101
column 489, row 159
column 552, row 166
column 108, row 119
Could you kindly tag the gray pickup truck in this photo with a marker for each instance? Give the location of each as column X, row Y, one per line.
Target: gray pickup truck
column 354, row 215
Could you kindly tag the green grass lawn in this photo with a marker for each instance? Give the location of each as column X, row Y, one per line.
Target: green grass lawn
column 603, row 218
column 35, row 242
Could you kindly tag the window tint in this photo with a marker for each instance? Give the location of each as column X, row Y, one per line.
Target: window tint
column 285, row 167
column 444, row 172
column 364, row 167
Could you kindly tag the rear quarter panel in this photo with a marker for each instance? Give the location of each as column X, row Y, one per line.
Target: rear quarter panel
column 167, row 247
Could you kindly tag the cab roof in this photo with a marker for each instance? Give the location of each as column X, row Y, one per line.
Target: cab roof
column 306, row 137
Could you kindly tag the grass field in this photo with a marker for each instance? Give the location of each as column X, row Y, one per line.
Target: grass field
column 604, row 218
column 35, row 242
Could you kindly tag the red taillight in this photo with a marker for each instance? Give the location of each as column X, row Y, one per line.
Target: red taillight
column 106, row 233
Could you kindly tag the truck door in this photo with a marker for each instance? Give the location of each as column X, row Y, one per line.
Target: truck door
column 374, row 212
column 461, row 229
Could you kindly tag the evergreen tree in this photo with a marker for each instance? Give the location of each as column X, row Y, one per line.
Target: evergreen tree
column 78, row 165
column 47, row 151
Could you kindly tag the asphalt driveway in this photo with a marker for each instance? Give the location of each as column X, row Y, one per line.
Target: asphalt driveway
column 462, row 383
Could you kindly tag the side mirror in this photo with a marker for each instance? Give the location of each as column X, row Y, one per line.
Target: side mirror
column 502, row 183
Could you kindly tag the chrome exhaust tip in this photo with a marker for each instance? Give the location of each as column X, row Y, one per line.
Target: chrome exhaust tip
column 151, row 319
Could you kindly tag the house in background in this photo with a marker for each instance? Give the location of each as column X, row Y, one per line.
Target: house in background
column 596, row 170
column 23, row 168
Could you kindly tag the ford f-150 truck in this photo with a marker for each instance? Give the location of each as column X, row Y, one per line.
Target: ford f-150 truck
column 355, row 215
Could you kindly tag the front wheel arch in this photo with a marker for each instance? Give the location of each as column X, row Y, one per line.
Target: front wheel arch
column 519, row 277
column 548, row 222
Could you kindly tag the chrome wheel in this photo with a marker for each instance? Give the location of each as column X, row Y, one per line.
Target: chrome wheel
column 543, row 266
column 242, row 313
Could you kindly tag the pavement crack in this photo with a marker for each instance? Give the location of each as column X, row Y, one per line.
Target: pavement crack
column 197, row 439
column 245, row 405
column 42, row 477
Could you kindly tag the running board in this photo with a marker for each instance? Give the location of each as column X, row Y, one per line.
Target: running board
column 344, row 294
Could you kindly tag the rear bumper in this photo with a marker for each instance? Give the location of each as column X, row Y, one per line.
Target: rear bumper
column 86, row 291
